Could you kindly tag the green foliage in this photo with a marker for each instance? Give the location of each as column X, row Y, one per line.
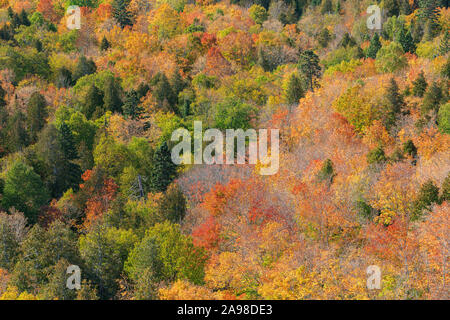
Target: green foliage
column 24, row 190
column 233, row 114
column 308, row 64
column 121, row 13
column 394, row 103
column 343, row 54
column 104, row 45
column 9, row 244
column 168, row 255
column 93, row 103
column 324, row 37
column 326, row 173
column 406, row 41
column 432, row 99
column 111, row 95
column 444, row 118
column 390, row 58
column 258, row 13
column 410, row 149
column 40, row 252
column 104, row 251
column 376, row 156
column 131, row 107
column 294, row 89
column 36, row 114
column 428, row 195
column 163, row 170
column 420, row 85
column 172, row 206
column 83, row 68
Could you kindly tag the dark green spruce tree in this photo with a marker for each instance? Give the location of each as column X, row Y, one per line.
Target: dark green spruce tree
column 36, row 114
column 163, row 170
column 374, row 47
column 121, row 13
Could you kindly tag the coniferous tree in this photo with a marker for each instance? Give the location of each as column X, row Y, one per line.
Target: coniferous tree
column 428, row 195
column 23, row 17
column 131, row 107
column 163, row 92
column 163, row 169
column 405, row 8
column 406, row 40
column 309, row 65
column 324, row 38
column 347, row 41
column 112, row 100
column 36, row 114
column 83, row 67
column 92, row 101
column 17, row 135
column 420, row 85
column 374, row 47
column 327, row 7
column 63, row 78
column 394, row 101
column 392, row 7
column 121, row 13
column 24, row 190
column 3, row 112
column 444, row 46
column 294, row 89
column 409, row 148
column 104, row 44
column 177, row 83
column 71, row 172
column 432, row 99
column 338, row 7
column 417, row 31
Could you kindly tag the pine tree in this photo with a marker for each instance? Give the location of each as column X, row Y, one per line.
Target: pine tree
column 177, row 83
column 339, row 7
column 131, row 107
column 36, row 114
column 71, row 172
column 17, row 135
column 432, row 99
column 409, row 148
column 420, row 85
column 120, row 12
column 428, row 195
column 309, row 66
column 163, row 169
column 324, row 38
column 3, row 112
column 63, row 78
column 374, row 47
column 23, row 17
column 417, row 31
column 405, row 8
column 347, row 41
column 406, row 40
column 327, row 7
column 112, row 100
column 444, row 46
column 104, row 44
column 83, row 67
column 92, row 101
column 24, row 190
column 163, row 92
column 392, row 7
column 394, row 102
column 294, row 89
